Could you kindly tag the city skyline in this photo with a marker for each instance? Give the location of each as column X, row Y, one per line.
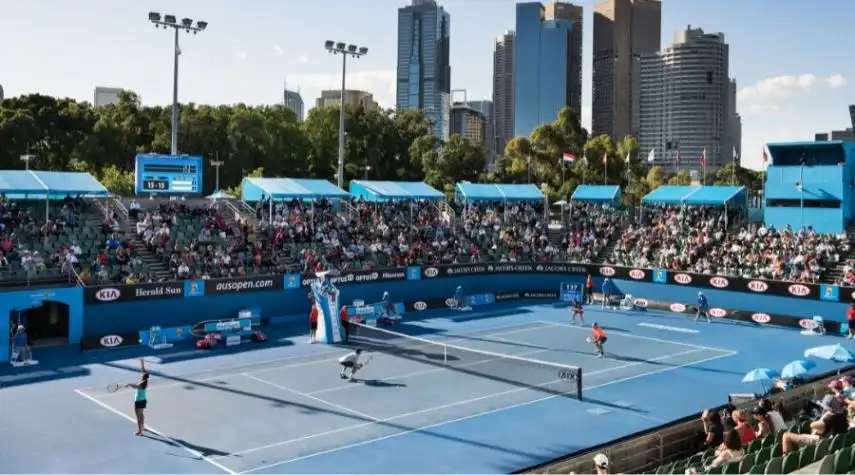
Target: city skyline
column 245, row 53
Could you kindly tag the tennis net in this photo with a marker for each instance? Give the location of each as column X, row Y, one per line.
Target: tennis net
column 544, row 376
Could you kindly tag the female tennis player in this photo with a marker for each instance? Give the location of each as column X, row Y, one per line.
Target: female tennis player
column 577, row 309
column 599, row 339
column 313, row 322
column 140, row 397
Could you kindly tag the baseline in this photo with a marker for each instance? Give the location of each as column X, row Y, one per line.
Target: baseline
column 479, row 414
column 195, row 453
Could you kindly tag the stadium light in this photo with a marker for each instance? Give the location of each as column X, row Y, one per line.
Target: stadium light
column 188, row 26
column 27, row 158
column 354, row 52
column 216, row 164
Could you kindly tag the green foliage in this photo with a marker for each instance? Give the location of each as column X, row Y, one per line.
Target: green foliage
column 382, row 144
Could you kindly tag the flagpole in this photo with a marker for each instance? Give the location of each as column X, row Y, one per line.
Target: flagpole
column 734, row 167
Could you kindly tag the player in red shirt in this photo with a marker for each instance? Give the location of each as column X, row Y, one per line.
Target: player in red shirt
column 345, row 323
column 850, row 318
column 313, row 323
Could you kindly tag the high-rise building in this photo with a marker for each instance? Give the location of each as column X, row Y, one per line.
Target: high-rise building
column 623, row 31
column 486, row 108
column 1, row 92
column 503, row 93
column 424, row 68
column 352, row 97
column 294, row 101
column 106, row 96
column 851, row 114
column 547, row 63
column 734, row 122
column 684, row 101
column 468, row 122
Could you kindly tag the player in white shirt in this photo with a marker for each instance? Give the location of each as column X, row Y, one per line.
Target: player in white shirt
column 350, row 361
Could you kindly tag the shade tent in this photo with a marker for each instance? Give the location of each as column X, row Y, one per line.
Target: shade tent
column 278, row 189
column 596, row 193
column 394, row 191
column 481, row 192
column 41, row 185
column 697, row 195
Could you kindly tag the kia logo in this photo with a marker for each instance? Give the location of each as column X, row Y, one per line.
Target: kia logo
column 807, row 324
column 799, row 290
column 607, row 271
column 110, row 341
column 431, row 272
column 758, row 286
column 636, row 274
column 719, row 282
column 761, row 318
column 718, row 312
column 640, row 303
column 450, row 302
column 683, row 279
column 108, row 294
column 420, row 306
column 678, row 307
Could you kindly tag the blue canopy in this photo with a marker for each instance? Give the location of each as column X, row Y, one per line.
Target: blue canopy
column 393, row 190
column 596, row 193
column 253, row 189
column 696, row 195
column 466, row 191
column 37, row 184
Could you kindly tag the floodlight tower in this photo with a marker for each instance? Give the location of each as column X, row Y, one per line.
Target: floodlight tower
column 355, row 52
column 186, row 25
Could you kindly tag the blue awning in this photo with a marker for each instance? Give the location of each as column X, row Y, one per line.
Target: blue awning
column 254, row 189
column 51, row 185
column 696, row 195
column 483, row 192
column 394, row 190
column 596, row 193
column 669, row 194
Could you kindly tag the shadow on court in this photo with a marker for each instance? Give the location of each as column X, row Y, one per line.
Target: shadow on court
column 184, row 444
column 311, row 409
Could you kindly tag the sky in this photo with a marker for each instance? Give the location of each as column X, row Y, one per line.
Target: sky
column 794, row 66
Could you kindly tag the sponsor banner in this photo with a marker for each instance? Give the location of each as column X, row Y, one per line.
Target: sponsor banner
column 170, row 334
column 829, row 292
column 539, row 295
column 756, row 286
column 359, row 277
column 292, row 281
column 422, row 305
column 129, row 293
column 463, row 270
column 116, row 340
column 660, row 276
column 194, row 288
column 244, row 285
column 414, row 273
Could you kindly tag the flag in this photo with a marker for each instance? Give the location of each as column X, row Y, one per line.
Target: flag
column 568, row 158
column 765, row 155
column 177, row 50
column 679, row 162
column 703, row 158
column 735, row 156
column 585, row 159
column 628, row 157
column 651, row 157
column 606, row 158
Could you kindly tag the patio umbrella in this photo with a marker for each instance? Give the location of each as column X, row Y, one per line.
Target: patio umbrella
column 797, row 368
column 759, row 375
column 836, row 353
column 219, row 195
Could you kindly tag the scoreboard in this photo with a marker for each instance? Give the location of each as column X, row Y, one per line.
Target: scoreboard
column 168, row 174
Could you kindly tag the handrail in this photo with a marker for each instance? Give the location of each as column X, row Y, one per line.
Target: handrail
column 121, row 207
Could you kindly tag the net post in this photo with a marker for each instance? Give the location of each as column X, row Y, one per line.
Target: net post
column 444, row 354
column 579, row 384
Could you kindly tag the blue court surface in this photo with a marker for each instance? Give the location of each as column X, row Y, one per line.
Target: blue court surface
column 283, row 408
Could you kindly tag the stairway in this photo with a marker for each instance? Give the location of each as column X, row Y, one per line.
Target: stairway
column 606, row 252
column 555, row 235
column 835, row 274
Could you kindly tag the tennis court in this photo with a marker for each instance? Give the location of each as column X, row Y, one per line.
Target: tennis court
column 426, row 408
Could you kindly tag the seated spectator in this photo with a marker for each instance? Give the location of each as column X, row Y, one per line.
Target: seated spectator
column 746, row 432
column 763, row 422
column 713, row 429
column 792, row 441
column 730, row 450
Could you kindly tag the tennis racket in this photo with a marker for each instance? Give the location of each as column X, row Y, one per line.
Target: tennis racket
column 113, row 387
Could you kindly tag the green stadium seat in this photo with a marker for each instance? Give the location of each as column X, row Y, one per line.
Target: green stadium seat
column 823, row 448
column 837, row 443
column 807, row 456
column 732, row 468
column 777, row 450
column 757, row 469
column 790, row 463
column 827, row 464
column 842, row 461
column 716, row 471
column 849, row 438
column 755, row 445
column 747, row 462
column 774, row 466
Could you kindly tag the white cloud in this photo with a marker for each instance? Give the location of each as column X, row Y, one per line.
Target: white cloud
column 303, row 59
column 380, row 83
column 241, row 55
column 277, row 50
column 585, row 117
column 837, row 81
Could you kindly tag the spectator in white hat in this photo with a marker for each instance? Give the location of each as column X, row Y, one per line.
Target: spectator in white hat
column 601, row 463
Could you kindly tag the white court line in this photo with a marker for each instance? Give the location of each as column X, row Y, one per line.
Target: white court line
column 639, row 337
column 469, row 401
column 421, row 373
column 309, row 396
column 539, row 326
column 491, row 411
column 193, row 452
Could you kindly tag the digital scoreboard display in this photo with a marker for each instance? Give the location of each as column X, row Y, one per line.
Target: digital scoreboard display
column 168, row 174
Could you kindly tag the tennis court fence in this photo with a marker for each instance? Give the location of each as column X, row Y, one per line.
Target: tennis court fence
column 543, row 376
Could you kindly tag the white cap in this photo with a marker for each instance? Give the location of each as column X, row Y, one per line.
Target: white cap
column 700, row 293
column 601, row 461
column 20, row 328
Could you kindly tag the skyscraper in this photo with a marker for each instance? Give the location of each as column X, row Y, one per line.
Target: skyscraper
column 623, row 30
column 684, row 101
column 1, row 93
column 851, row 114
column 294, row 101
column 424, row 69
column 468, row 122
column 352, row 97
column 106, row 96
column 503, row 93
column 486, row 108
column 547, row 63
